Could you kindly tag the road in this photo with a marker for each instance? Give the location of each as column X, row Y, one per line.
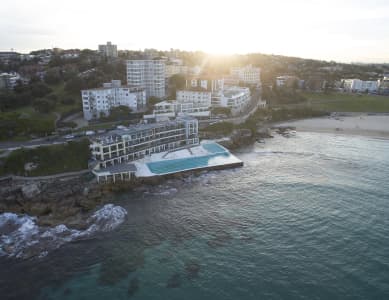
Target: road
column 53, row 140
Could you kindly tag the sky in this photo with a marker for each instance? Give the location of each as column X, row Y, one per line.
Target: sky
column 340, row 30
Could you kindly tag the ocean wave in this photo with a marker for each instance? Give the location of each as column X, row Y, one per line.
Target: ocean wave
column 21, row 237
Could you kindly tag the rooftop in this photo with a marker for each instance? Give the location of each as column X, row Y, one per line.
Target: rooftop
column 115, row 169
column 110, row 136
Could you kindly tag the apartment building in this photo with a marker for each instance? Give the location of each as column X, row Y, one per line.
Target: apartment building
column 208, row 84
column 357, row 85
column 248, row 74
column 148, row 74
column 99, row 101
column 171, row 109
column 236, row 98
column 10, row 80
column 173, row 69
column 197, row 97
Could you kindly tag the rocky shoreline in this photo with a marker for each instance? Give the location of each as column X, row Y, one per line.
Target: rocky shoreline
column 66, row 201
column 71, row 200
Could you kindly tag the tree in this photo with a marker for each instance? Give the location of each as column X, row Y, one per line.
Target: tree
column 120, row 112
column 53, row 76
column 40, row 89
column 43, row 105
column 221, row 111
column 68, row 100
column 74, row 85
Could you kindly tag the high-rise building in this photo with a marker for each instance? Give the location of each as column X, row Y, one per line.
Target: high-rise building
column 148, row 74
column 109, row 50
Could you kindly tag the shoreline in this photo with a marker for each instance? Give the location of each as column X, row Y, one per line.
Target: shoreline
column 361, row 124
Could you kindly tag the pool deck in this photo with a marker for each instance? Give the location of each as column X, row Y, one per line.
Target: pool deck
column 217, row 158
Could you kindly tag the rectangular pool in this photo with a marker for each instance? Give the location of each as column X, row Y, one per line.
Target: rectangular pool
column 217, row 156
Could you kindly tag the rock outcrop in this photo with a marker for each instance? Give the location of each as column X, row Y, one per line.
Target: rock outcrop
column 53, row 202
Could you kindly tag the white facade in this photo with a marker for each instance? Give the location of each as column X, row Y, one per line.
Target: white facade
column 285, row 80
column 236, row 98
column 175, row 69
column 247, row 74
column 113, row 151
column 147, row 74
column 357, row 85
column 108, row 50
column 197, row 98
column 212, row 85
column 98, row 102
column 9, row 80
column 170, row 109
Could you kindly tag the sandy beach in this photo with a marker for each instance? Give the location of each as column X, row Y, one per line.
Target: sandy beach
column 356, row 124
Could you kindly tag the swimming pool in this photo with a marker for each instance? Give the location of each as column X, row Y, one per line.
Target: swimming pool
column 214, row 148
column 218, row 156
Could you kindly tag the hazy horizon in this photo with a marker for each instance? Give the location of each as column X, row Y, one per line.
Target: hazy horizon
column 351, row 31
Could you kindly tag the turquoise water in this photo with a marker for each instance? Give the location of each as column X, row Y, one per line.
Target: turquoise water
column 305, row 218
column 181, row 164
column 213, row 148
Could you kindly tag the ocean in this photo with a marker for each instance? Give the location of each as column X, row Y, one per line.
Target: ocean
column 307, row 217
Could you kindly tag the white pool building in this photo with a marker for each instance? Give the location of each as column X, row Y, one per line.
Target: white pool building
column 157, row 149
column 118, row 147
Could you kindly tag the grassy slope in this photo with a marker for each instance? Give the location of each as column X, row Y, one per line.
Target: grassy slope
column 348, row 102
column 54, row 159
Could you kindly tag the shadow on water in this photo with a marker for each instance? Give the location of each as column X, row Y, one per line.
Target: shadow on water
column 133, row 287
column 174, row 281
column 192, row 268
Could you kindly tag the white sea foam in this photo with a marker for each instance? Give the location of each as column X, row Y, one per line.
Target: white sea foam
column 21, row 237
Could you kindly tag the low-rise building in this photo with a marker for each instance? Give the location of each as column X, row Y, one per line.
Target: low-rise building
column 236, row 98
column 357, row 85
column 287, row 81
column 208, row 84
column 6, row 56
column 172, row 108
column 247, row 75
column 383, row 85
column 173, row 69
column 99, row 101
column 9, row 80
column 113, row 151
column 198, row 98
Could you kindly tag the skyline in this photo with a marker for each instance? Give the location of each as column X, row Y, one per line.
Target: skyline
column 351, row 31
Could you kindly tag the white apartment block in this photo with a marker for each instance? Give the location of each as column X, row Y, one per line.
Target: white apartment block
column 99, row 101
column 236, row 98
column 9, row 80
column 108, row 50
column 197, row 98
column 148, row 74
column 175, row 69
column 166, row 110
column 212, row 85
column 286, row 81
column 247, row 74
column 357, row 85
